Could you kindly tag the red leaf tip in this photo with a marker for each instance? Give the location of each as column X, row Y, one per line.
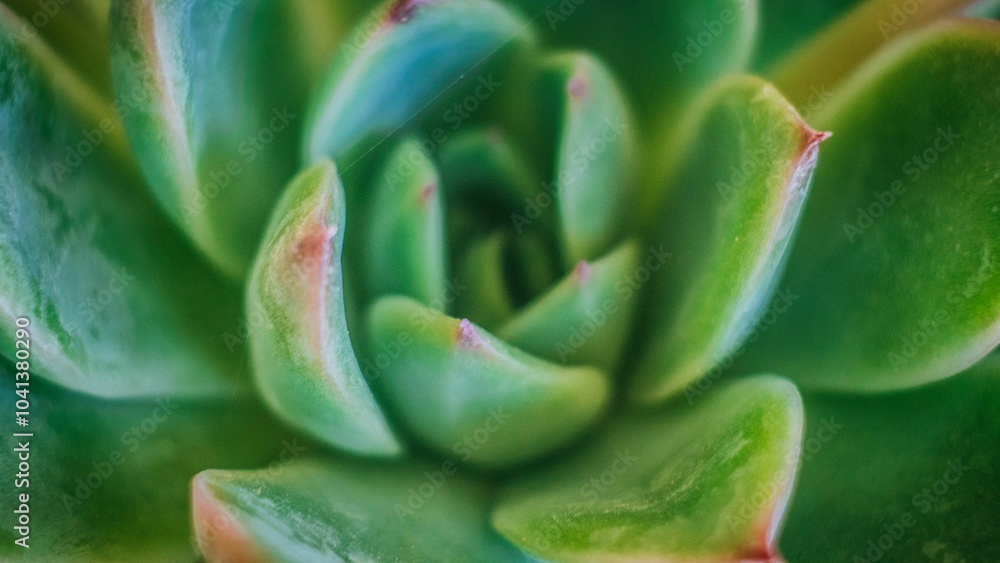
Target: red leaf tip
column 578, row 87
column 402, row 10
column 467, row 336
column 427, row 192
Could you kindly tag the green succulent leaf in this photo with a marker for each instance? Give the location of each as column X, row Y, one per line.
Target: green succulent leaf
column 484, row 173
column 118, row 303
column 821, row 64
column 665, row 52
column 215, row 144
column 895, row 265
column 484, row 163
column 904, row 477
column 789, row 24
column 304, row 362
column 334, row 510
column 420, row 50
column 108, row 481
column 745, row 163
column 77, row 31
column 481, row 400
column 702, row 483
column 595, row 164
column 585, row 318
column 406, row 248
column 485, row 296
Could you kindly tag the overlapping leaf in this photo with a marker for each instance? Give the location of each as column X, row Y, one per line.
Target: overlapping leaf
column 742, row 175
column 108, row 481
column 335, row 510
column 702, row 483
column 119, row 305
column 304, row 360
column 215, row 94
column 895, row 265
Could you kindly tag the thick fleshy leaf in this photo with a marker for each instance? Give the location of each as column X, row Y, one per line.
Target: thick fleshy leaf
column 585, row 318
column 77, row 30
column 595, row 166
column 119, row 305
column 787, row 24
column 532, row 266
column 702, row 483
column 485, row 296
column 895, row 265
column 212, row 98
column 108, row 481
column 405, row 243
column 480, row 399
column 486, row 164
column 906, row 477
column 485, row 174
column 304, row 361
column 419, row 51
column 333, row 510
column 809, row 72
column 742, row 176
column 665, row 52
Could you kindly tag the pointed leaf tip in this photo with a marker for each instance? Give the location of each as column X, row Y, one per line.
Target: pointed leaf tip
column 304, row 360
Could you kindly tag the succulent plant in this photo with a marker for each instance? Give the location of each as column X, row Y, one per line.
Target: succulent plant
column 476, row 280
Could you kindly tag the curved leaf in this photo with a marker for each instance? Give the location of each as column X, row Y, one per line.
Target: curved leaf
column 742, row 177
column 304, row 360
column 213, row 111
column 405, row 241
column 481, row 400
column 595, row 163
column 332, row 510
column 703, row 483
column 665, row 52
column 108, row 481
column 935, row 502
column 119, row 305
column 486, row 296
column 77, row 30
column 788, row 24
column 421, row 49
column 895, row 263
column 585, row 318
column 808, row 72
